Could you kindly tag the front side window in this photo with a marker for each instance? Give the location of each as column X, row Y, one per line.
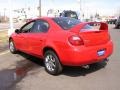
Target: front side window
column 66, row 23
column 27, row 27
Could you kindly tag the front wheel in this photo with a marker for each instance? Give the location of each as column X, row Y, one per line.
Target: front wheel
column 12, row 47
column 52, row 63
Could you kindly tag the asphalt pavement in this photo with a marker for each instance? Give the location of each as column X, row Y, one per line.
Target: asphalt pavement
column 23, row 72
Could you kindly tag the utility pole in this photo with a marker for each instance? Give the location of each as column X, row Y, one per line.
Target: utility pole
column 11, row 30
column 39, row 8
column 80, row 6
column 4, row 14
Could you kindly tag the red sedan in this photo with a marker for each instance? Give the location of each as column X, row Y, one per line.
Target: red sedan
column 62, row 41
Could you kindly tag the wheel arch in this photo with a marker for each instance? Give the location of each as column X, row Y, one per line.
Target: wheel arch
column 49, row 48
column 52, row 49
column 10, row 38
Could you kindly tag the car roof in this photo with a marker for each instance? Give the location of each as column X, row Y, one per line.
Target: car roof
column 42, row 18
column 47, row 18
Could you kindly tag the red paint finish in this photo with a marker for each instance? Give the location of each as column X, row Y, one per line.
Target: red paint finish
column 72, row 46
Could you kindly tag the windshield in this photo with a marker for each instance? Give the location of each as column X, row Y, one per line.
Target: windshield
column 65, row 22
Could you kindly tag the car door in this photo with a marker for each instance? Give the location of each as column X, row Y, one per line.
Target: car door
column 22, row 41
column 37, row 37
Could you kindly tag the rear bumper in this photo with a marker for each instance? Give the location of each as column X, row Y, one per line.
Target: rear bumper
column 77, row 56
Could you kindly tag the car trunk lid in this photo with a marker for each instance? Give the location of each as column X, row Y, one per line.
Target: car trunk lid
column 92, row 36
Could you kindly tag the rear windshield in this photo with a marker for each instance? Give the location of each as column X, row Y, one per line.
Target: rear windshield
column 91, row 27
column 87, row 26
column 66, row 23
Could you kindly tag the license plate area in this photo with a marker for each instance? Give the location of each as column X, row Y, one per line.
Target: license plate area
column 101, row 52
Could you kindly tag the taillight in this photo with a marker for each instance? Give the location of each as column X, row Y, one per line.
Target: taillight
column 75, row 40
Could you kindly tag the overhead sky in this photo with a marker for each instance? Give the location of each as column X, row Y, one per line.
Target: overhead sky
column 104, row 7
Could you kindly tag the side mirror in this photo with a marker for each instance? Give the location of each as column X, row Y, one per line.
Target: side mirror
column 17, row 31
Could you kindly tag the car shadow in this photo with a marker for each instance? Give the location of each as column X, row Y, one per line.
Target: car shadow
column 79, row 71
column 68, row 71
column 33, row 59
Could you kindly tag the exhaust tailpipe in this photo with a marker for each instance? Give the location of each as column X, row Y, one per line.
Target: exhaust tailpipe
column 86, row 66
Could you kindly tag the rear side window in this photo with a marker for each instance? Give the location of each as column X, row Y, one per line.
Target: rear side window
column 40, row 26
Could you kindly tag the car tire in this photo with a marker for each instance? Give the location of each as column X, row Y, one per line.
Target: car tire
column 12, row 47
column 52, row 63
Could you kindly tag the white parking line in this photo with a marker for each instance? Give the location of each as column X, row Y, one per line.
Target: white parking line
column 5, row 52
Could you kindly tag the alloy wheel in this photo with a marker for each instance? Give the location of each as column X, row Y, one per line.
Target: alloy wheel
column 50, row 62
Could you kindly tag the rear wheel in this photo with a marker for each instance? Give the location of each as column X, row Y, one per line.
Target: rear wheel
column 52, row 63
column 12, row 47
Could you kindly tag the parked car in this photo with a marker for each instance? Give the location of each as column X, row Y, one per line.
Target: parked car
column 111, row 21
column 117, row 24
column 69, row 13
column 62, row 41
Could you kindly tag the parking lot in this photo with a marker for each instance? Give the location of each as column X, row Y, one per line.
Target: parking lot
column 24, row 72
